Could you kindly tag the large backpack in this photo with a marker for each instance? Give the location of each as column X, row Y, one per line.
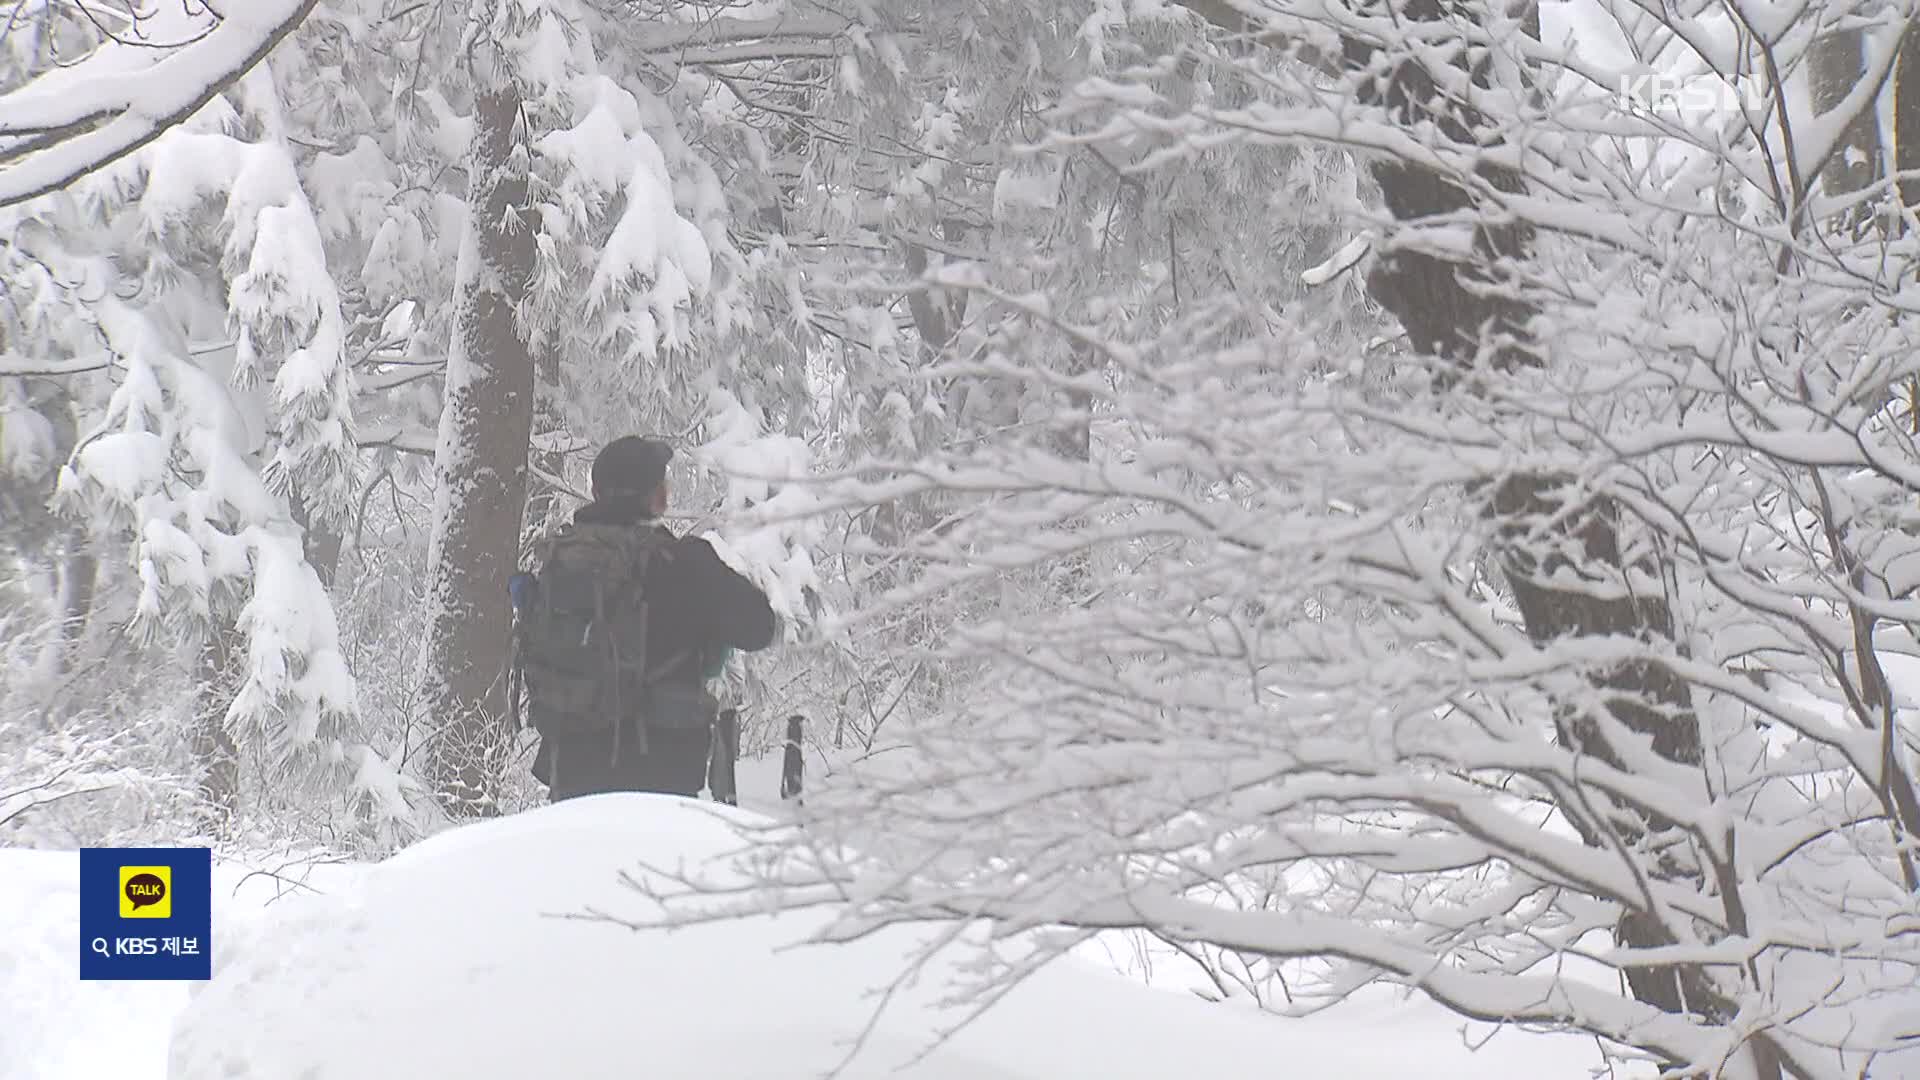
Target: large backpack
column 579, row 636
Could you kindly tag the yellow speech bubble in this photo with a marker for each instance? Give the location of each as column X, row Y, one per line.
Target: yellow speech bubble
column 146, row 892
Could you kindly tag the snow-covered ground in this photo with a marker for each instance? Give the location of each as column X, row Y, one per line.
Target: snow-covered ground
column 448, row 961
column 55, row 1027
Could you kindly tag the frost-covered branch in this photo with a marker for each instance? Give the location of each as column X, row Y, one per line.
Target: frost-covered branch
column 1576, row 648
column 79, row 119
column 655, row 36
column 15, row 367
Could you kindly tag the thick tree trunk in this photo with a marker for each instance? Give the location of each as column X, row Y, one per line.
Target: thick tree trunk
column 1453, row 311
column 1838, row 61
column 1456, row 312
column 481, row 467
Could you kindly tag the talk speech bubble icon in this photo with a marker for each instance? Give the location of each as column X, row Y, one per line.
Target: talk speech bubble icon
column 145, row 892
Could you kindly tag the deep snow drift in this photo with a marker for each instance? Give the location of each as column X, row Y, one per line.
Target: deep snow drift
column 55, row 1027
column 454, row 959
column 451, row 960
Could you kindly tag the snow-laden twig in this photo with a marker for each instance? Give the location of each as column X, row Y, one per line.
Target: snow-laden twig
column 79, row 119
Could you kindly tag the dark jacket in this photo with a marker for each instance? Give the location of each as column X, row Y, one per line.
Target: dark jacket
column 694, row 601
column 696, row 604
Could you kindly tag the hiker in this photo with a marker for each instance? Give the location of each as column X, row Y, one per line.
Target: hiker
column 618, row 631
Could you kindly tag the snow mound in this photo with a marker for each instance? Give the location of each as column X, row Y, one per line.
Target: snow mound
column 456, row 958
column 55, row 1027
column 98, row 1028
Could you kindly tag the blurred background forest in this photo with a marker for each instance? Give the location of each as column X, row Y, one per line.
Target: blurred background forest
column 260, row 445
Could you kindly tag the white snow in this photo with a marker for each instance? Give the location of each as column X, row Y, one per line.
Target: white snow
column 135, row 102
column 1339, row 262
column 453, row 958
column 55, row 1027
column 769, row 533
column 26, row 438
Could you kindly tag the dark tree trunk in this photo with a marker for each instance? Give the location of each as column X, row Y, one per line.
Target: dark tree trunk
column 1457, row 312
column 481, row 469
column 1906, row 116
column 79, row 573
column 322, row 546
column 217, row 679
column 319, row 543
column 936, row 319
column 1837, row 63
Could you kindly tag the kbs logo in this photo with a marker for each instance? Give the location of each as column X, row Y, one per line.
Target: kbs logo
column 146, row 892
column 146, row 913
column 1653, row 93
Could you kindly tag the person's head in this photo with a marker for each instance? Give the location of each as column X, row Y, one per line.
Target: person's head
column 633, row 469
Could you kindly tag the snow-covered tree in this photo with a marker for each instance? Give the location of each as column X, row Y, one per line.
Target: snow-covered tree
column 103, row 102
column 867, row 149
column 296, row 243
column 182, row 300
column 597, row 274
column 1565, row 675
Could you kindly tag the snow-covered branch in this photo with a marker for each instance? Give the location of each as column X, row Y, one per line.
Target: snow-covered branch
column 409, row 439
column 75, row 120
column 1574, row 651
column 663, row 37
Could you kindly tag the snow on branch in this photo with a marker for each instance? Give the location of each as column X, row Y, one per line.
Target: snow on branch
column 652, row 264
column 1339, row 262
column 76, row 120
column 655, row 36
column 211, row 543
column 730, row 41
column 394, row 435
column 21, row 367
column 1254, row 671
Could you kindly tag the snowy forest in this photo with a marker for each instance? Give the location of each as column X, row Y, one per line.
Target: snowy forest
column 1356, row 493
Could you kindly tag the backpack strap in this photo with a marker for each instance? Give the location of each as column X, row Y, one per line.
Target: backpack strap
column 640, row 564
column 654, row 675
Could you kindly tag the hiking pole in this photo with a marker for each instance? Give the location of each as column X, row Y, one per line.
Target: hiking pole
column 793, row 765
column 721, row 780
